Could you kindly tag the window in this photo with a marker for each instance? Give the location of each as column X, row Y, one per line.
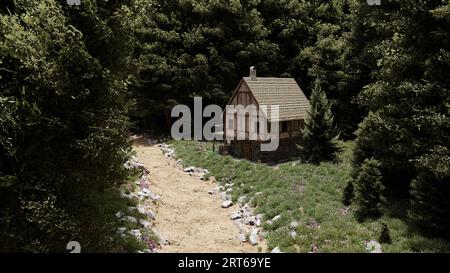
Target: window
column 284, row 126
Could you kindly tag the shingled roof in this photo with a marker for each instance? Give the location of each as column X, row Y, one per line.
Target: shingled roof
column 284, row 92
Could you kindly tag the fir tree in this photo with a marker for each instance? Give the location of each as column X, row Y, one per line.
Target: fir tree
column 368, row 188
column 319, row 138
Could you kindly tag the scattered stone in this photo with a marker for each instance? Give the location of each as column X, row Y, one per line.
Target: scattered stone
column 119, row 214
column 145, row 223
column 236, row 215
column 269, row 222
column 258, row 193
column 121, row 229
column 227, row 204
column 154, row 197
column 242, row 199
column 129, row 219
column 293, row 234
column 314, row 248
column 133, row 164
column 294, row 224
column 147, row 211
column 373, row 247
column 126, row 195
column 276, row 250
column 136, row 233
column 189, row 169
column 253, row 238
column 277, row 217
column 225, row 197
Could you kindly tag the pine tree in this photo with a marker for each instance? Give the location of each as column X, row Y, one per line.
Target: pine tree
column 319, row 138
column 368, row 189
column 430, row 191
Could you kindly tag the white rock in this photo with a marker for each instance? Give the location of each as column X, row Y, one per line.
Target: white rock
column 253, row 238
column 154, row 196
column 227, row 204
column 236, row 215
column 277, row 217
column 250, row 220
column 225, row 197
column 242, row 199
column 374, row 247
column 145, row 223
column 189, row 169
column 276, row 250
column 121, row 229
column 119, row 214
column 294, row 224
column 126, row 195
column 129, row 219
column 136, row 233
column 293, row 234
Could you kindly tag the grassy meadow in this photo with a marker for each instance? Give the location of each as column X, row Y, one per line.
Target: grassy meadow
column 310, row 195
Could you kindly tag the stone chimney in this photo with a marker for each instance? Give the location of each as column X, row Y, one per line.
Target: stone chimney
column 252, row 73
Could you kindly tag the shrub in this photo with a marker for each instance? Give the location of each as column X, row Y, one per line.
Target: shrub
column 368, row 188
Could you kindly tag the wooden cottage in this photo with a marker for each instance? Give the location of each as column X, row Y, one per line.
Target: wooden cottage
column 293, row 109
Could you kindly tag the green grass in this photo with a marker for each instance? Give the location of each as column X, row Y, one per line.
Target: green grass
column 307, row 193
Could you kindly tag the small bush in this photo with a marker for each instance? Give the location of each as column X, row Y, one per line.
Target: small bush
column 368, row 189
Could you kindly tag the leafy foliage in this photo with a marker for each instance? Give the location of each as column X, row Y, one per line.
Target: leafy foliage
column 64, row 123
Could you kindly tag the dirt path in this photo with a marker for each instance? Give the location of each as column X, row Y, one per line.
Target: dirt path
column 189, row 218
